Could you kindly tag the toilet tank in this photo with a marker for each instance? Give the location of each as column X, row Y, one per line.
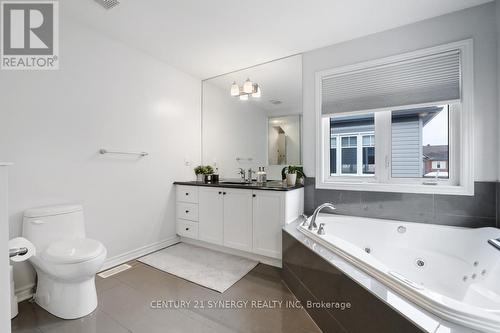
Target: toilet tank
column 45, row 225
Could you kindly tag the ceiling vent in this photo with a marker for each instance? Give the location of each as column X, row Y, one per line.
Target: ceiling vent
column 108, row 4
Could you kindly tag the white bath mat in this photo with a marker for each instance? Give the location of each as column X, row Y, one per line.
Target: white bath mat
column 208, row 268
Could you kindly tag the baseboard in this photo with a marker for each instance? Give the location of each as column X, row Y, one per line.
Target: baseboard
column 142, row 251
column 257, row 257
column 25, row 292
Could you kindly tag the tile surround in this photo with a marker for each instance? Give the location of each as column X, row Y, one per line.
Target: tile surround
column 480, row 210
column 313, row 279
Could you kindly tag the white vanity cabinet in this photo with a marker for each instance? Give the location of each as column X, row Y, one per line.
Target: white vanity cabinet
column 268, row 218
column 187, row 211
column 211, row 215
column 238, row 219
column 248, row 220
column 225, row 217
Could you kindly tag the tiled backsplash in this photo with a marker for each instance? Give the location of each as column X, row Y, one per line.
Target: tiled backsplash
column 480, row 210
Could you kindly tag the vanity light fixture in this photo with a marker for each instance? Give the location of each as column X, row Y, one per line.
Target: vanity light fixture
column 248, row 89
column 235, row 89
column 257, row 92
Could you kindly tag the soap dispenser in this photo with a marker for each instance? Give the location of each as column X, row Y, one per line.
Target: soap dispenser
column 259, row 176
column 264, row 175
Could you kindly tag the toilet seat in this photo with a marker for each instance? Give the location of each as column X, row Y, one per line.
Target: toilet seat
column 73, row 251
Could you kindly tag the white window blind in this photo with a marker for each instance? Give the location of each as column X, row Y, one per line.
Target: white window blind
column 428, row 79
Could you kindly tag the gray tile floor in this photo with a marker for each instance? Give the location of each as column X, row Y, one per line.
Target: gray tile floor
column 125, row 306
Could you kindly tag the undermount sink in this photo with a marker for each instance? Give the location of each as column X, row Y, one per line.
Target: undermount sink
column 234, row 182
column 268, row 184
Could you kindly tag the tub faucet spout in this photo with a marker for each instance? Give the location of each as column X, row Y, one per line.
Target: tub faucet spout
column 312, row 224
column 495, row 243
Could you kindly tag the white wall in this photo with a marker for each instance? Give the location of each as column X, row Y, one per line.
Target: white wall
column 107, row 95
column 5, row 308
column 232, row 128
column 477, row 23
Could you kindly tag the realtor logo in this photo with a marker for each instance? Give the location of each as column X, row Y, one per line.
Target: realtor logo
column 29, row 35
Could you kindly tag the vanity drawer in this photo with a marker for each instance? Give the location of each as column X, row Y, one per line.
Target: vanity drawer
column 187, row 229
column 187, row 193
column 187, row 211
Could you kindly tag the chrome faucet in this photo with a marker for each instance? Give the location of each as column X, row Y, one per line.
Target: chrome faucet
column 241, row 172
column 321, row 230
column 495, row 243
column 249, row 175
column 312, row 224
column 304, row 218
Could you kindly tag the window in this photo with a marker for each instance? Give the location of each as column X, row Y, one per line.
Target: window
column 439, row 165
column 369, row 154
column 355, row 154
column 333, row 155
column 349, row 155
column 403, row 142
column 419, row 140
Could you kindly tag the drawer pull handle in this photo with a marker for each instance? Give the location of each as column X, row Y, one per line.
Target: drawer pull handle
column 254, row 195
column 187, row 211
column 187, row 193
column 187, row 229
column 220, row 192
column 224, row 193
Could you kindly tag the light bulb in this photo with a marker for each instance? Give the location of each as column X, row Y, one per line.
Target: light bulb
column 244, row 97
column 235, row 89
column 248, row 87
column 257, row 92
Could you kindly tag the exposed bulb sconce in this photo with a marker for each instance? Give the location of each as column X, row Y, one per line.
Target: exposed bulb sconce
column 248, row 89
column 257, row 92
column 235, row 89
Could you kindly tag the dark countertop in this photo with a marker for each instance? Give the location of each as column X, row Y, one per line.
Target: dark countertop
column 272, row 185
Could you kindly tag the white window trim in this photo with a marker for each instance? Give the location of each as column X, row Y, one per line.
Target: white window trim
column 462, row 158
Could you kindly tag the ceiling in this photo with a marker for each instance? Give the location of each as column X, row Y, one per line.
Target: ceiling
column 207, row 38
column 280, row 80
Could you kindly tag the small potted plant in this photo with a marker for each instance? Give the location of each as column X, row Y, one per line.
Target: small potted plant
column 293, row 174
column 201, row 172
column 209, row 173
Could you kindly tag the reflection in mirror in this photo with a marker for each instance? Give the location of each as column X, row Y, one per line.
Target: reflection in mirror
column 252, row 118
column 284, row 140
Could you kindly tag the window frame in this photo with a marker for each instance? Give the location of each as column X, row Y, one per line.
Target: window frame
column 461, row 181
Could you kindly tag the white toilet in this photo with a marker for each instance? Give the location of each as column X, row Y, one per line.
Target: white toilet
column 65, row 262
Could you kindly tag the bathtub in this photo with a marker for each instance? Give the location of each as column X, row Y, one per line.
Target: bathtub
column 449, row 271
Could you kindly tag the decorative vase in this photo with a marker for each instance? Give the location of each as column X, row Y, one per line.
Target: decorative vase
column 291, row 179
column 200, row 178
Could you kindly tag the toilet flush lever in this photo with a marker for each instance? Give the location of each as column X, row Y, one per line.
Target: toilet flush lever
column 21, row 251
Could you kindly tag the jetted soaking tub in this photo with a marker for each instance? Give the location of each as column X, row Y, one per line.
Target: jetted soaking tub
column 450, row 271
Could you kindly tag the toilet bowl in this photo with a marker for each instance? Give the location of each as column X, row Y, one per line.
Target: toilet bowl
column 65, row 262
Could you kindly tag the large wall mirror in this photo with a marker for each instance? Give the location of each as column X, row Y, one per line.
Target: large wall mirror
column 253, row 118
